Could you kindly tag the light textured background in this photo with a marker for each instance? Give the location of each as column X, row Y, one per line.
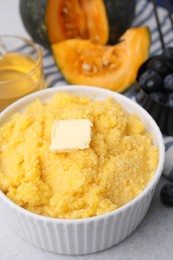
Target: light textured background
column 152, row 240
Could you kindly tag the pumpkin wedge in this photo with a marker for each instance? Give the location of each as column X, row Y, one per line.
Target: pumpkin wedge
column 52, row 21
column 69, row 19
column 112, row 67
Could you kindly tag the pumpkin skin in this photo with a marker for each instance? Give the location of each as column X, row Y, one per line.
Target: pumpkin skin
column 102, row 21
column 120, row 15
column 33, row 16
column 112, row 67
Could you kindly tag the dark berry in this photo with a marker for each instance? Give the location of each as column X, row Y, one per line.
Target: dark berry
column 168, row 54
column 166, row 194
column 159, row 64
column 143, row 68
column 170, row 95
column 170, row 100
column 159, row 97
column 150, row 81
column 168, row 83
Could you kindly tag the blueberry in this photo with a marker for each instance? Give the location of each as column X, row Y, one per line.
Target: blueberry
column 168, row 83
column 168, row 54
column 143, row 68
column 170, row 100
column 159, row 64
column 159, row 97
column 150, row 81
column 145, row 76
column 166, row 194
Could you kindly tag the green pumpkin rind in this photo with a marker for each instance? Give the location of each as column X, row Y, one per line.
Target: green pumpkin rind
column 121, row 20
column 33, row 16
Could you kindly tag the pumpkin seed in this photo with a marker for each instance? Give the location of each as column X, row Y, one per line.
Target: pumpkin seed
column 86, row 67
column 95, row 69
column 97, row 38
column 112, row 66
column 65, row 10
column 105, row 62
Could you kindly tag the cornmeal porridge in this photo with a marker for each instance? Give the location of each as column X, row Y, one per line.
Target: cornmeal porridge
column 116, row 167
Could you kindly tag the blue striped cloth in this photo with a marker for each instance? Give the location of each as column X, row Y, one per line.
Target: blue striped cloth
column 144, row 16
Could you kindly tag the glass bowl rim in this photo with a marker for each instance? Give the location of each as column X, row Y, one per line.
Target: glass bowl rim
column 37, row 48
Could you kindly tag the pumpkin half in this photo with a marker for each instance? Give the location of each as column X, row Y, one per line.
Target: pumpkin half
column 52, row 21
column 112, row 67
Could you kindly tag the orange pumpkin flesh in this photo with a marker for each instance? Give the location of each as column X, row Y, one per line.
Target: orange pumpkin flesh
column 68, row 19
column 113, row 67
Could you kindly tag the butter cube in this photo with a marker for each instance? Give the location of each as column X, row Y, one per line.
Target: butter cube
column 71, row 134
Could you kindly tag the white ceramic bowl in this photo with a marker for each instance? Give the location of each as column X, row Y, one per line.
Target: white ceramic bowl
column 83, row 236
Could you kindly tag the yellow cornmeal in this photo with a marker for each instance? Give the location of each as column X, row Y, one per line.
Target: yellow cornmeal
column 118, row 165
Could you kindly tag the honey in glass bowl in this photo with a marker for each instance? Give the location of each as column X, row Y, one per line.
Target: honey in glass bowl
column 21, row 70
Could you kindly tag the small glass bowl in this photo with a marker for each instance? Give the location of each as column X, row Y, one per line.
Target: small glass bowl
column 21, row 70
column 162, row 113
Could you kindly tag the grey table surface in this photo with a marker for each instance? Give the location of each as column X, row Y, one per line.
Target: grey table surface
column 153, row 239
